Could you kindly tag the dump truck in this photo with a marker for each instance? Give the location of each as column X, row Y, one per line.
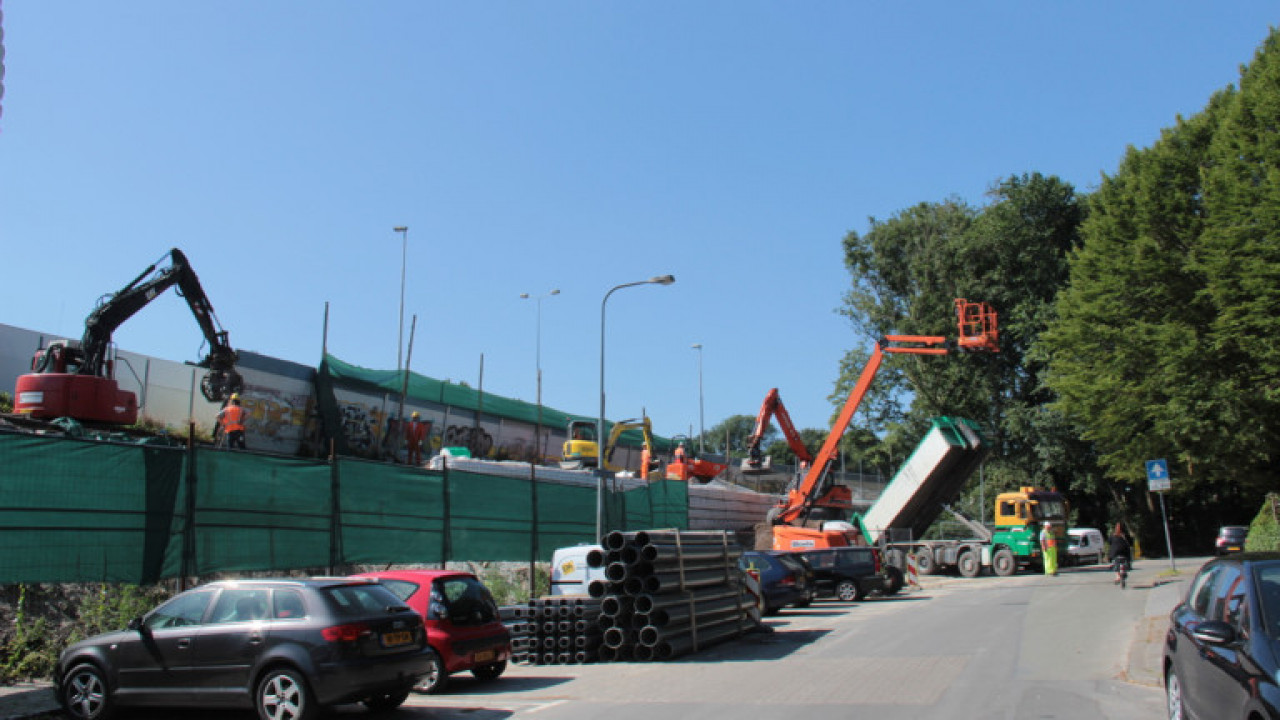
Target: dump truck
column 924, row 488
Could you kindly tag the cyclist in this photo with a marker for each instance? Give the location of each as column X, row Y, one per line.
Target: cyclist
column 1120, row 553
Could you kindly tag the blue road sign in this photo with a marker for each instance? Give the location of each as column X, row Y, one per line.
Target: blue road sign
column 1157, row 475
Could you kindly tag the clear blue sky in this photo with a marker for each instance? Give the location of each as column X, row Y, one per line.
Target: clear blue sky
column 538, row 145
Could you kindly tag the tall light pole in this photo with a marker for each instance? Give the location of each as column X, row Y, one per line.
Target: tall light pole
column 656, row 280
column 404, row 255
column 537, row 437
column 701, row 430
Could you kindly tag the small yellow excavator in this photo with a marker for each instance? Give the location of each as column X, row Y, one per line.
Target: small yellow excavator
column 582, row 450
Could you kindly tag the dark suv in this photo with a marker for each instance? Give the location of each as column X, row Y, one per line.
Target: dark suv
column 848, row 573
column 286, row 648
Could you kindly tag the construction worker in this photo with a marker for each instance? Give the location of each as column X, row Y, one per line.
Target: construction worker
column 231, row 417
column 680, row 453
column 1049, row 549
column 414, row 433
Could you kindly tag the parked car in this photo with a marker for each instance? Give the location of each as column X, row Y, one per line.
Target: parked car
column 848, row 573
column 1230, row 539
column 1220, row 653
column 1085, row 545
column 784, row 580
column 463, row 625
column 287, row 648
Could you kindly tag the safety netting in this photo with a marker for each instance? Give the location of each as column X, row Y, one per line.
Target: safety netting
column 84, row 511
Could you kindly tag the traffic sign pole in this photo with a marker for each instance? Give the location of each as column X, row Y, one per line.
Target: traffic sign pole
column 1158, row 481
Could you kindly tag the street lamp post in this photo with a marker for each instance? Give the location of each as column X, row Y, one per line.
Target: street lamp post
column 701, row 430
column 656, row 280
column 537, row 438
column 404, row 254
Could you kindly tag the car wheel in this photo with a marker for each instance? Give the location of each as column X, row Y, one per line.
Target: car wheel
column 1002, row 563
column 436, row 679
column 924, row 561
column 1173, row 696
column 84, row 694
column 892, row 580
column 803, row 602
column 848, row 591
column 385, row 702
column 968, row 564
column 283, row 695
column 492, row 671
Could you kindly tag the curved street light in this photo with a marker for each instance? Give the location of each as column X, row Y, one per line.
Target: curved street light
column 656, row 280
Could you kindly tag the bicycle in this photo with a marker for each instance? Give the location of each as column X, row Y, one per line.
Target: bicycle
column 1121, row 566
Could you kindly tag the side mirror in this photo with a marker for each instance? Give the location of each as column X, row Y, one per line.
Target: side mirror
column 136, row 623
column 1215, row 632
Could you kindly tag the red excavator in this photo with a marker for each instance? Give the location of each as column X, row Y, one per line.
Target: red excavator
column 800, row 521
column 77, row 379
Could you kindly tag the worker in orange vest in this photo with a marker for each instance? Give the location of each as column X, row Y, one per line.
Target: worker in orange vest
column 414, row 433
column 231, row 418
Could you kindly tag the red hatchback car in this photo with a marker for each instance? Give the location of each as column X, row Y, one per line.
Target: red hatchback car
column 462, row 621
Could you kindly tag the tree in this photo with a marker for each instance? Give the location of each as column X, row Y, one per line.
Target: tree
column 1163, row 345
column 906, row 273
column 736, row 430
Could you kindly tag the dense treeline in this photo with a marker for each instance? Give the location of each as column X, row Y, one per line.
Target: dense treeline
column 1137, row 322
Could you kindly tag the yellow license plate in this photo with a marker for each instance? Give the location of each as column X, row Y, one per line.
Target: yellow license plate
column 485, row 656
column 397, row 638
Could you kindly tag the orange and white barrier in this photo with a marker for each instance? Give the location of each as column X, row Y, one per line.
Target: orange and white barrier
column 913, row 575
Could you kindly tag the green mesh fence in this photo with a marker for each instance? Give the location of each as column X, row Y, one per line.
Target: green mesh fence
column 79, row 511
column 76, row 510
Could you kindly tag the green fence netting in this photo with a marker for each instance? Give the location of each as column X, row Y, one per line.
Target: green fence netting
column 95, row 512
column 82, row 511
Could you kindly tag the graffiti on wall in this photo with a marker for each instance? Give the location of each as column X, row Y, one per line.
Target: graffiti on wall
column 474, row 439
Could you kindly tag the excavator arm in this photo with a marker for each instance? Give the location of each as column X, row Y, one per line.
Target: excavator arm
column 113, row 310
column 772, row 407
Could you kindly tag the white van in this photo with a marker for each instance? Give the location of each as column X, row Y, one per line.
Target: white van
column 1085, row 546
column 570, row 572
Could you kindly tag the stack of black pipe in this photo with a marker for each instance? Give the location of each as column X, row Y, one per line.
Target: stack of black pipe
column 668, row 592
column 554, row 630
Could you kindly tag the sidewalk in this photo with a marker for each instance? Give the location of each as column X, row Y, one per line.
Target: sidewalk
column 1166, row 591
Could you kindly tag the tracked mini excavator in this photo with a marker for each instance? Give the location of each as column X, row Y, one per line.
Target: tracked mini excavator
column 77, row 379
column 815, row 512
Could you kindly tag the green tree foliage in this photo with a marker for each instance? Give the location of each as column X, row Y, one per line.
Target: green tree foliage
column 736, row 430
column 906, row 273
column 1264, row 533
column 1164, row 342
column 780, row 450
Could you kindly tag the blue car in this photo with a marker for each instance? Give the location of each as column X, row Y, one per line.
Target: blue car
column 785, row 579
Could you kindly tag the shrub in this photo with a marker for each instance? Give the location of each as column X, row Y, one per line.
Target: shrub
column 1264, row 533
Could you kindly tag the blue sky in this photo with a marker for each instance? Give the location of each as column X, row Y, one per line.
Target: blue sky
column 551, row 145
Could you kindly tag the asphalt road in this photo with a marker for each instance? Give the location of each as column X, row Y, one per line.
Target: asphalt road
column 1029, row 646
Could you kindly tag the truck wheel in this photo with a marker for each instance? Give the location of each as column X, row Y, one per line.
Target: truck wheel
column 968, row 564
column 848, row 591
column 1002, row 563
column 924, row 561
column 892, row 580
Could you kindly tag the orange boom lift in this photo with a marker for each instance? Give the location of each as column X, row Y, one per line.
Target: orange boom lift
column 803, row 520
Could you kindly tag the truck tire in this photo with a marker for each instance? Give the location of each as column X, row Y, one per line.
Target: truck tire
column 892, row 581
column 1003, row 562
column 925, row 564
column 968, row 564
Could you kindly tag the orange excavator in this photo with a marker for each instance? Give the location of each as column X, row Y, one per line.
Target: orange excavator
column 772, row 407
column 815, row 513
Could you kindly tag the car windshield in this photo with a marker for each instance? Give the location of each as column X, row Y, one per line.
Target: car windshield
column 1233, row 532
